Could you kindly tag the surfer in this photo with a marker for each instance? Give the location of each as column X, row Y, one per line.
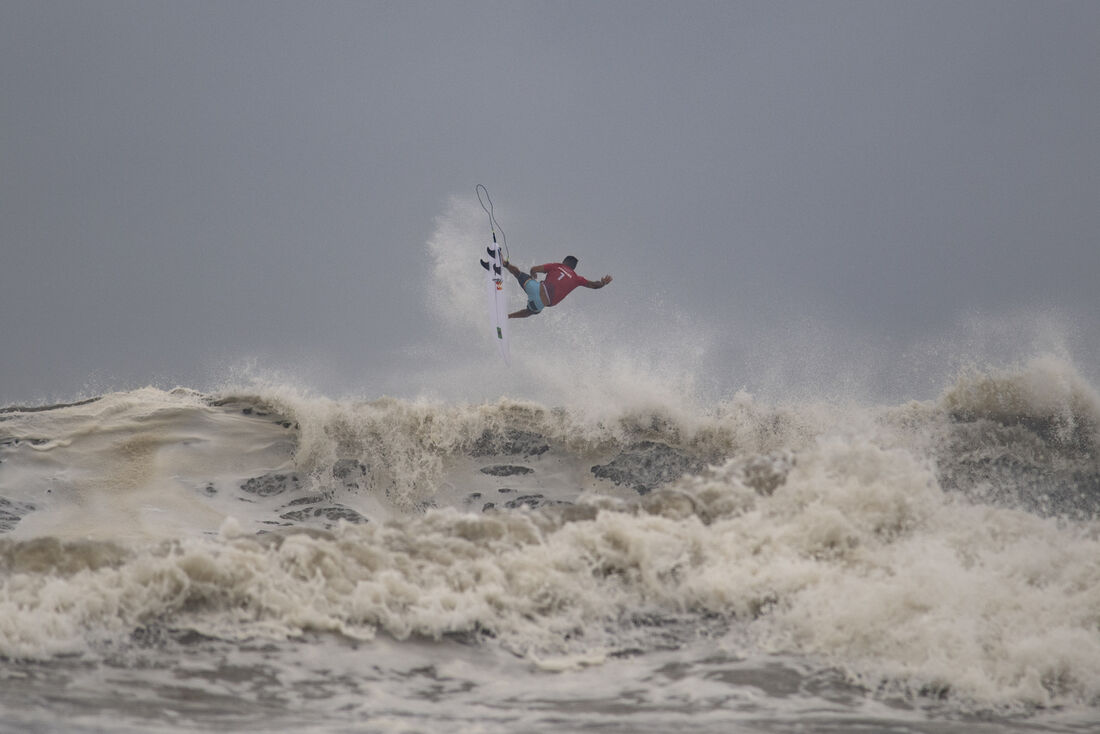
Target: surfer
column 560, row 281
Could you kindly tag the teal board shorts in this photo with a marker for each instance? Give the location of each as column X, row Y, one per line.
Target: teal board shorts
column 531, row 286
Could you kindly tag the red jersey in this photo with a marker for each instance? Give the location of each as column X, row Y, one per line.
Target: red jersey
column 560, row 282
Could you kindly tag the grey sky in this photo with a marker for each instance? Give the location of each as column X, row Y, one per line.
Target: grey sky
column 184, row 185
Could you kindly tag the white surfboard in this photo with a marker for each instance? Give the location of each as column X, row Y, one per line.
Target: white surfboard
column 498, row 302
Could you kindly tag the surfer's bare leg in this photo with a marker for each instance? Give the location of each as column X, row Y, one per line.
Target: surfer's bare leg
column 520, row 314
column 514, row 271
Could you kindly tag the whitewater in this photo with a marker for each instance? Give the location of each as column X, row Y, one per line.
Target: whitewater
column 615, row 554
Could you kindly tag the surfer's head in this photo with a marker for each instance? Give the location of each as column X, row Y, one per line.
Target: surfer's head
column 569, row 262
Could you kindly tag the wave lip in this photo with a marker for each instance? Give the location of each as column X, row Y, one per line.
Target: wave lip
column 1047, row 396
column 1026, row 437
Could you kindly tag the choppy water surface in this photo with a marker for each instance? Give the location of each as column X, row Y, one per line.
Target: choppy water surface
column 252, row 560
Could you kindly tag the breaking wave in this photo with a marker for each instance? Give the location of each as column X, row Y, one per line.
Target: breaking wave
column 945, row 548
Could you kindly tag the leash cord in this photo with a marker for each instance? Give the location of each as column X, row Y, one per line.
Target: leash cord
column 493, row 224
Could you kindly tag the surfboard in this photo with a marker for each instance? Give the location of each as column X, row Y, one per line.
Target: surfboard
column 498, row 302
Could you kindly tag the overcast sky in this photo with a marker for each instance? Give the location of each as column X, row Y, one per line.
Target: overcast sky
column 186, row 186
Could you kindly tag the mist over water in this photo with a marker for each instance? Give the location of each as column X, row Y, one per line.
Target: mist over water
column 630, row 340
column 645, row 520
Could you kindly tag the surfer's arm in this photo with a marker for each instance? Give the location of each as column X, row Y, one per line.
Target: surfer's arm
column 598, row 283
column 536, row 269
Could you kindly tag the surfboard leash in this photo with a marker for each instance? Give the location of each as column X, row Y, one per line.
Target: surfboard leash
column 493, row 224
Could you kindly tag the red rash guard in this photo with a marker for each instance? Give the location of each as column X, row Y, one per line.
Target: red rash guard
column 560, row 282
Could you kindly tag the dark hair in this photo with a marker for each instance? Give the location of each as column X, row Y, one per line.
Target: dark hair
column 569, row 262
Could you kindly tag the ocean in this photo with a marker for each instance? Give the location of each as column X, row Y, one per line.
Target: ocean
column 266, row 558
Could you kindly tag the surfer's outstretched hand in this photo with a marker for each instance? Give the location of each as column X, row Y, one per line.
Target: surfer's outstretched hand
column 598, row 283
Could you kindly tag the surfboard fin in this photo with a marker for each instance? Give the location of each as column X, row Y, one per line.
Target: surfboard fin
column 484, row 264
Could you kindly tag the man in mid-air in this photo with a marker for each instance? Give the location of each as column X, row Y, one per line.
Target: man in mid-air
column 559, row 282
